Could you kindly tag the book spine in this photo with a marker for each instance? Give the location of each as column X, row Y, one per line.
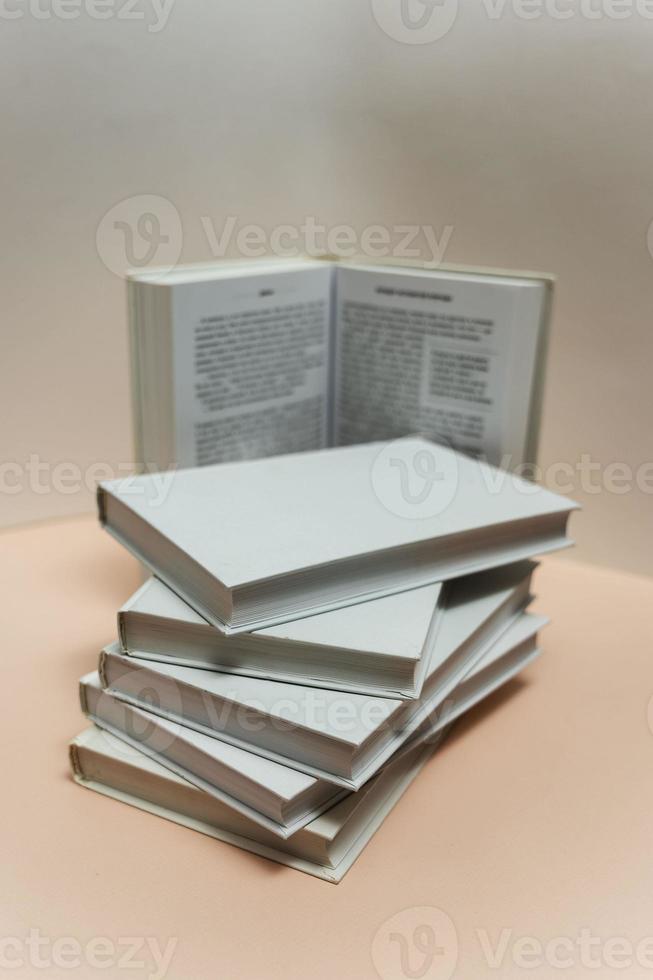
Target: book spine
column 83, row 702
column 134, row 319
column 122, row 632
column 537, row 391
column 75, row 764
column 102, row 670
column 101, row 498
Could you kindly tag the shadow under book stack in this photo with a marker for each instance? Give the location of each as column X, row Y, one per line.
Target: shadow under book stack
column 307, row 639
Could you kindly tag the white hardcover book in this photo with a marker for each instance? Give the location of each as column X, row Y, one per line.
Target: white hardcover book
column 277, row 797
column 328, row 846
column 380, row 647
column 237, row 360
column 511, row 653
column 252, row 544
column 340, row 737
column 281, row 799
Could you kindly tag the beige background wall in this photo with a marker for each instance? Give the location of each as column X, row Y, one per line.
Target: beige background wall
column 529, row 136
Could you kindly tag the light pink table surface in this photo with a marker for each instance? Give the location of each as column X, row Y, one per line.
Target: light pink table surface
column 536, row 817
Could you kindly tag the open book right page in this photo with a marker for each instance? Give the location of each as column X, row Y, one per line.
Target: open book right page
column 456, row 357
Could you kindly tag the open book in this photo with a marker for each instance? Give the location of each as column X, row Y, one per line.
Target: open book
column 240, row 360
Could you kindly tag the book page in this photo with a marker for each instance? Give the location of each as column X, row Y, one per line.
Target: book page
column 251, row 365
column 450, row 356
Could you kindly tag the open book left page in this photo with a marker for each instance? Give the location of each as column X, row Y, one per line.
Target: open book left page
column 231, row 363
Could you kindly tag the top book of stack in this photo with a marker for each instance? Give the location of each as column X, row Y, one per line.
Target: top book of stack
column 255, row 543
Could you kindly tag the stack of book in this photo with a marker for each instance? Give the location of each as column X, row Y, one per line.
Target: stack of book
column 306, row 641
